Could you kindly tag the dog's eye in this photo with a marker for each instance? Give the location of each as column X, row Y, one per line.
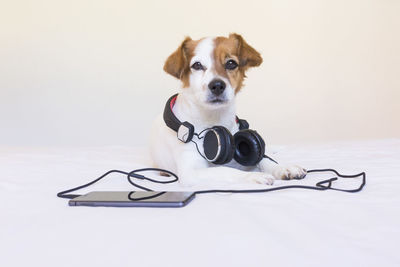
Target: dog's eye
column 231, row 64
column 197, row 66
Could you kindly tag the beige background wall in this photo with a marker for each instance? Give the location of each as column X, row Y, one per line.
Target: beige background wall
column 90, row 72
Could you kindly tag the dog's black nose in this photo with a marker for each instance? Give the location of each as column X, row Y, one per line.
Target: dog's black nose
column 217, row 86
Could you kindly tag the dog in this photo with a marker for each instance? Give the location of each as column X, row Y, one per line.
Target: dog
column 212, row 71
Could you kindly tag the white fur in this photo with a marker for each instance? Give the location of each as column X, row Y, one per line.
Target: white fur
column 192, row 105
column 199, row 79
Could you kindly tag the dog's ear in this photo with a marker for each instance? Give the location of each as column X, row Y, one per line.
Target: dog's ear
column 177, row 62
column 248, row 56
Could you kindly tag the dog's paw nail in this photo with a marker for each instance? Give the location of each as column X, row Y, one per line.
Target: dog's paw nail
column 291, row 172
column 270, row 181
column 261, row 178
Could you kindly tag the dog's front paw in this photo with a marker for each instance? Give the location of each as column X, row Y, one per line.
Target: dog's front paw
column 260, row 178
column 290, row 172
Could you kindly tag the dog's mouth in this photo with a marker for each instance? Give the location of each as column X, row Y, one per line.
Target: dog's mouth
column 217, row 100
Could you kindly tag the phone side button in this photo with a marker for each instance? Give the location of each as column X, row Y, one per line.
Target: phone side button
column 72, row 203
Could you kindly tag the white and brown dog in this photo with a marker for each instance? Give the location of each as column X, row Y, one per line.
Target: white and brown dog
column 212, row 71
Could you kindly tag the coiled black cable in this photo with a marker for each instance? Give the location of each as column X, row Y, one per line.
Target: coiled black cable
column 320, row 186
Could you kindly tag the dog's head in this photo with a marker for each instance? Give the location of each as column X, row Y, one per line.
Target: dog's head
column 213, row 69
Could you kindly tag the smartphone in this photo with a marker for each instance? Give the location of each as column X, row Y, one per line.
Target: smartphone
column 133, row 199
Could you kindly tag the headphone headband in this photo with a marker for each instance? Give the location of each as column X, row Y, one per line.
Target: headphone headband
column 184, row 130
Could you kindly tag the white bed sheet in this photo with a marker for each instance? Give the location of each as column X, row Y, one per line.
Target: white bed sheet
column 285, row 228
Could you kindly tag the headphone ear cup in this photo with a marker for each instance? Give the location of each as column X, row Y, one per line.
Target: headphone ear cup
column 228, row 150
column 249, row 147
column 218, row 145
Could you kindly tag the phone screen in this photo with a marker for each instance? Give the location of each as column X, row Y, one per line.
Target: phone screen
column 133, row 199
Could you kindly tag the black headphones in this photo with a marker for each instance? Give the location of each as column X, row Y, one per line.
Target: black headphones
column 220, row 147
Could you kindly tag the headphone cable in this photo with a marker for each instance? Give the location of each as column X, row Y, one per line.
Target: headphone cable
column 320, row 186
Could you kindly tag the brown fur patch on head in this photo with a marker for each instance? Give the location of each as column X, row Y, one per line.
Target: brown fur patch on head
column 235, row 47
column 177, row 64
